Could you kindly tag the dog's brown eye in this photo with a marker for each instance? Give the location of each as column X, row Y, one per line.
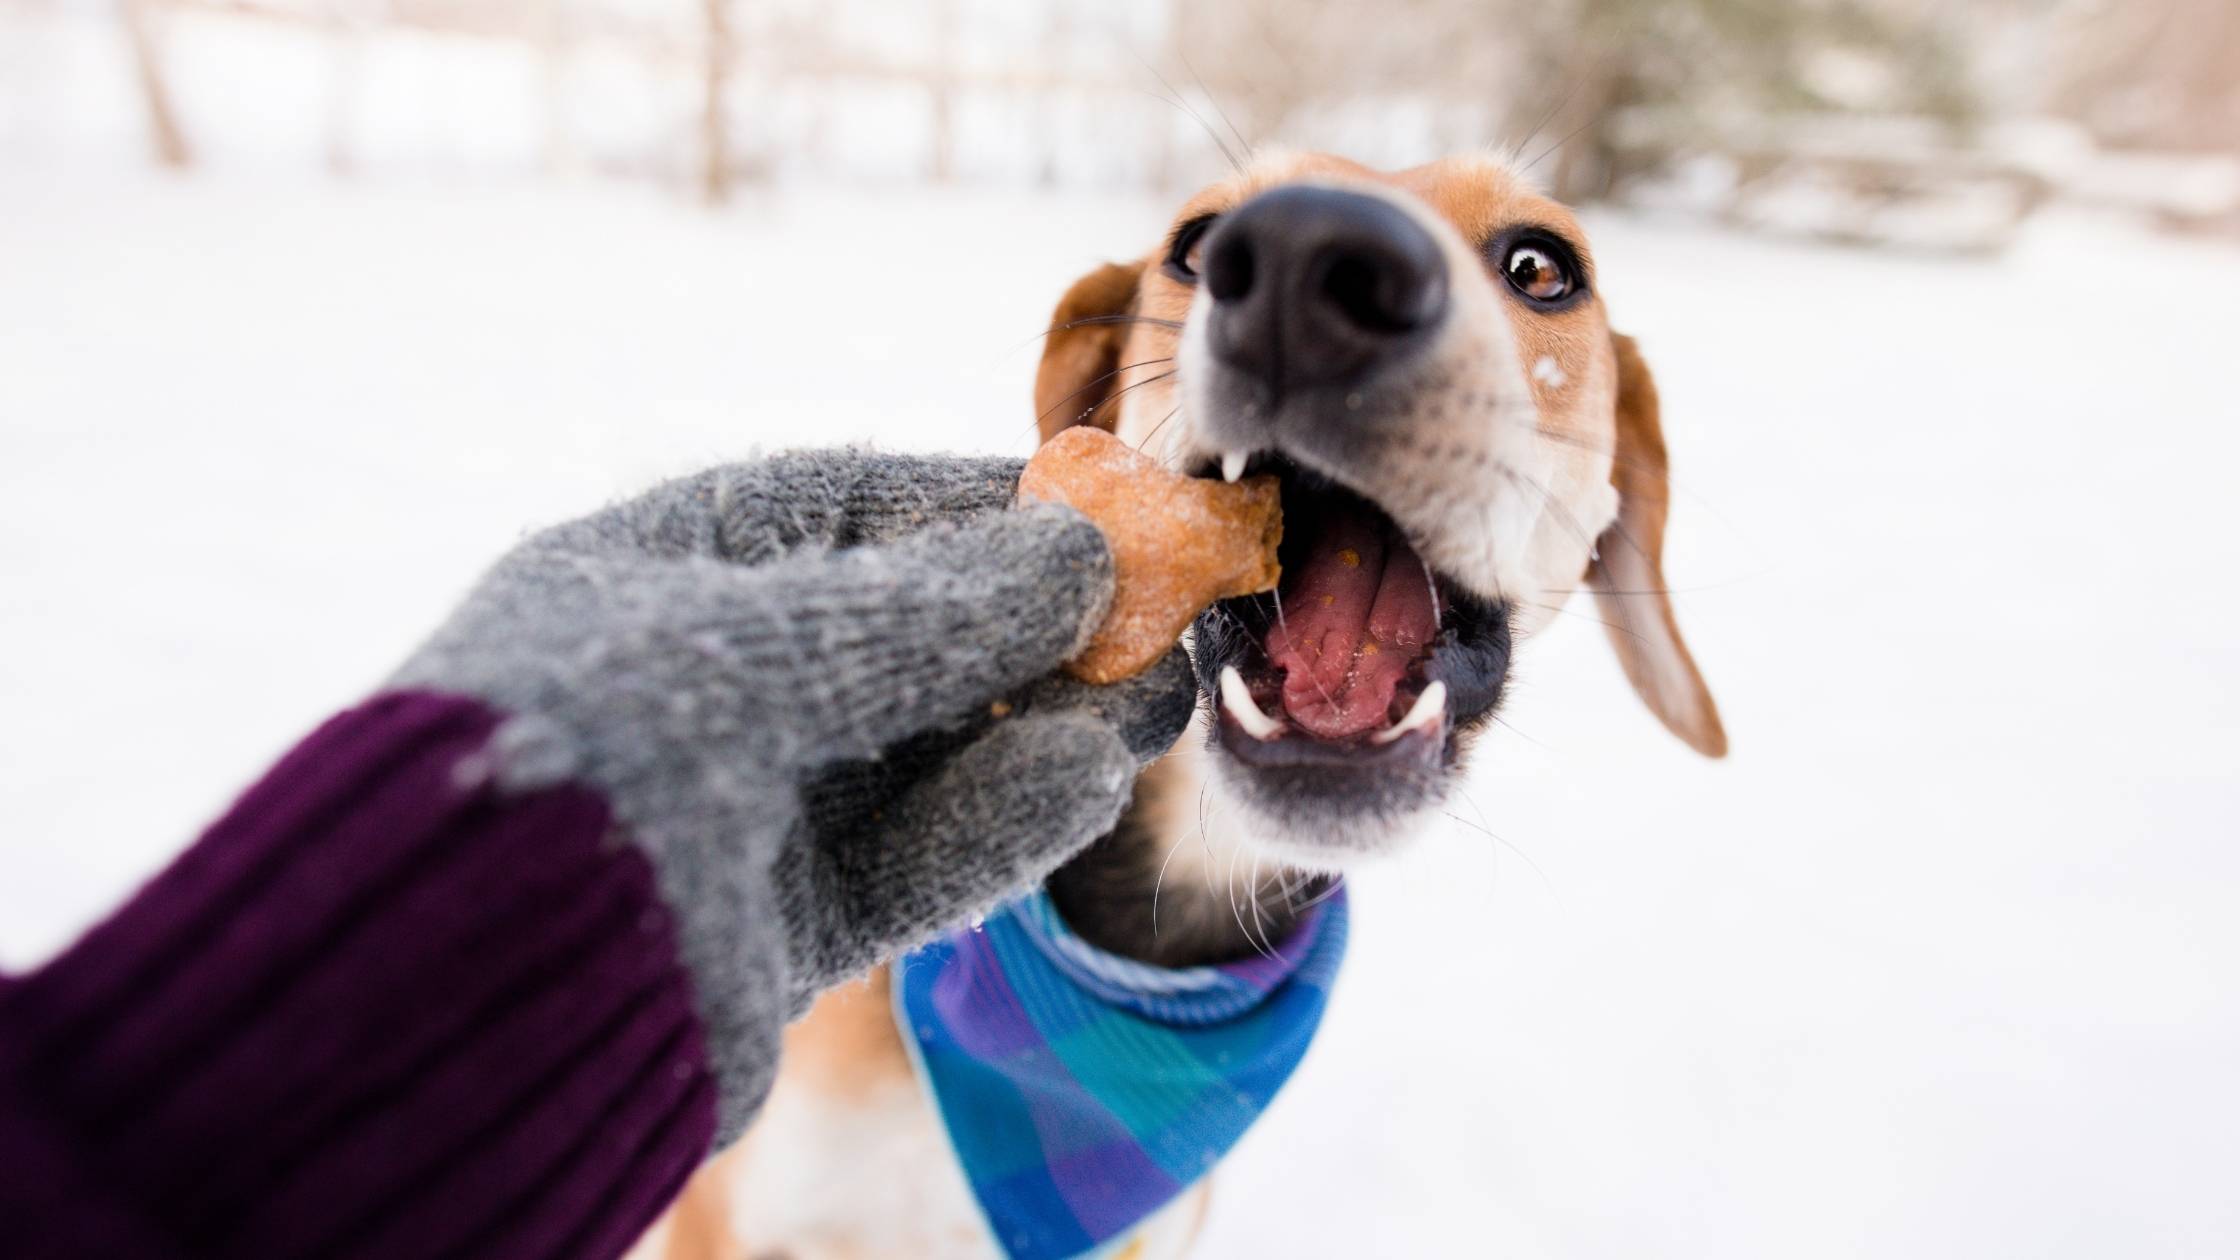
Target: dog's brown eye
column 1188, row 244
column 1538, row 271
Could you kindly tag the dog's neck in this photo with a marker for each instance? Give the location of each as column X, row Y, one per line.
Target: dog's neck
column 1160, row 889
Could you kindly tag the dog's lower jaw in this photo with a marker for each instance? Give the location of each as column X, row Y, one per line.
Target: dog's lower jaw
column 1184, row 881
column 1210, row 866
column 1273, row 822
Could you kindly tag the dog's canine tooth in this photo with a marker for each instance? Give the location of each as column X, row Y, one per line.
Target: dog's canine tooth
column 1232, row 465
column 1428, row 708
column 1237, row 700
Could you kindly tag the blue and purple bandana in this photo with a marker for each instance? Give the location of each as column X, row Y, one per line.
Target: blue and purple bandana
column 1083, row 1091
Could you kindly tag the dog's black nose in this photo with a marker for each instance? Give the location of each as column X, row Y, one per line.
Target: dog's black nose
column 1314, row 286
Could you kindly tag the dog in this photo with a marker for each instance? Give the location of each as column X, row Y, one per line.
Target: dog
column 1423, row 360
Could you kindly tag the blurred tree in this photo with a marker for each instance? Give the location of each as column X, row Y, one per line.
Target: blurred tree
column 943, row 78
column 1558, row 76
column 715, row 139
column 1272, row 65
column 1697, row 61
column 165, row 134
column 2163, row 75
column 555, row 35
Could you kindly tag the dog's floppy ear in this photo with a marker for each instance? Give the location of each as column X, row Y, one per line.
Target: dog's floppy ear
column 1081, row 357
column 1627, row 573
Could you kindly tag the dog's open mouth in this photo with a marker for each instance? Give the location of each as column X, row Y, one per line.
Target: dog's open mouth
column 1363, row 655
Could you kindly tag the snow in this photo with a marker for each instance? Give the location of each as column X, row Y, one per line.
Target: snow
column 1939, row 963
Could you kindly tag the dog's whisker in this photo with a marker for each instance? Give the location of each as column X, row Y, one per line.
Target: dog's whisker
column 1252, row 893
column 1286, row 887
column 1118, row 394
column 1545, row 119
column 1324, row 895
column 1512, row 727
column 1157, row 882
column 1229, row 885
column 1570, row 521
column 1125, row 367
column 1503, row 841
column 1085, row 321
column 1205, row 837
column 1568, row 137
column 1653, row 590
column 1660, row 472
column 1267, row 946
column 1085, row 388
column 1548, row 499
column 1236, row 908
column 1234, row 620
column 1090, row 321
column 1215, row 101
column 1155, row 428
column 1576, row 442
column 1174, row 98
column 1566, row 611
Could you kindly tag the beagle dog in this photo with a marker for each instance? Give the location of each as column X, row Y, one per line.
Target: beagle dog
column 1422, row 358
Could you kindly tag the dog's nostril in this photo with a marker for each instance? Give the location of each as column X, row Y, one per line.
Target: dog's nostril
column 1381, row 294
column 1229, row 268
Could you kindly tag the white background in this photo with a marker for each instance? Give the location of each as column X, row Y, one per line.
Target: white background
column 1940, row 963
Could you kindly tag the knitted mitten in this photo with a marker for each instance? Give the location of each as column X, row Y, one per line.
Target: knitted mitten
column 818, row 691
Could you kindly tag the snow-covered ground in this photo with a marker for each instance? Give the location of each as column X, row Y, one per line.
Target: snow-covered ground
column 1943, row 962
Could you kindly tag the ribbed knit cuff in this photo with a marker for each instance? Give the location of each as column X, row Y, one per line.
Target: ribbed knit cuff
column 381, row 1008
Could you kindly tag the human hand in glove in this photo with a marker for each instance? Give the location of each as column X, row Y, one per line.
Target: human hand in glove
column 818, row 691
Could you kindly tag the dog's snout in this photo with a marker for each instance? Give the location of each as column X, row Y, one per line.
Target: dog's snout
column 1312, row 286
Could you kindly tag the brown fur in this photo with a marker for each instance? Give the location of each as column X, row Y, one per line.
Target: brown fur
column 846, row 1049
column 1628, row 572
column 1077, row 375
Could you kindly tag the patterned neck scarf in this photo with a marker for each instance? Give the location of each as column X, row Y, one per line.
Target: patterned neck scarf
column 1083, row 1091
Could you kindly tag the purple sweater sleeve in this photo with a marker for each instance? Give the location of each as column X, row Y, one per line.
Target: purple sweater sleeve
column 379, row 1009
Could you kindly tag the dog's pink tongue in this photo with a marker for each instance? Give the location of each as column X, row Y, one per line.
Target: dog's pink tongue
column 1357, row 611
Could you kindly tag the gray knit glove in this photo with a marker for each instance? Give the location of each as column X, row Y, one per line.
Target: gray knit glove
column 818, row 691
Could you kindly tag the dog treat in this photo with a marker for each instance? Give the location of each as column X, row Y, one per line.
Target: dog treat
column 1178, row 543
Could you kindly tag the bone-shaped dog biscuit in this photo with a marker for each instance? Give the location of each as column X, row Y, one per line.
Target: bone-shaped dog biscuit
column 1178, row 543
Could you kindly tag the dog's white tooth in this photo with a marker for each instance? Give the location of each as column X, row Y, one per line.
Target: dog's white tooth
column 1428, row 708
column 1232, row 465
column 1237, row 700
